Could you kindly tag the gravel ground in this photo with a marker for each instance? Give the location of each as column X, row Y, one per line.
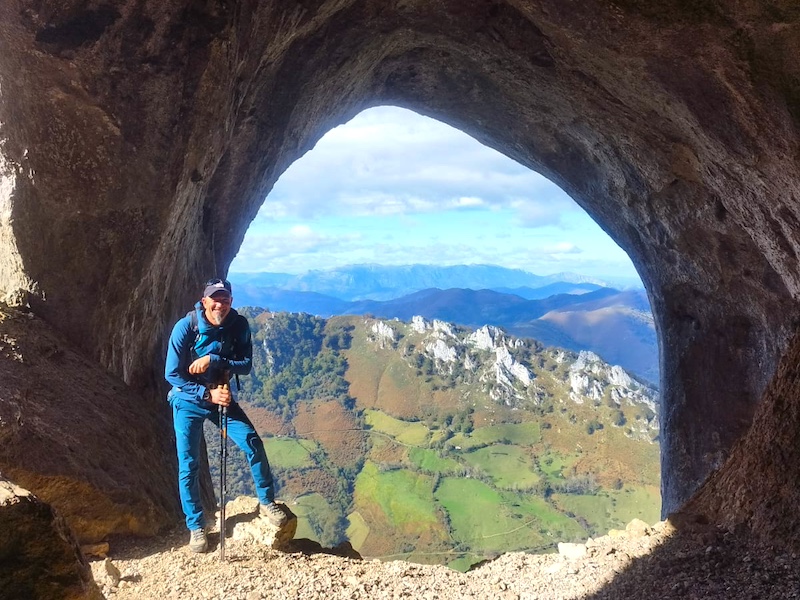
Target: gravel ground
column 657, row 563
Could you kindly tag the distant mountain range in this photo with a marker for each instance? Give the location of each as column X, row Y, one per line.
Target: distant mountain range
column 576, row 313
column 380, row 282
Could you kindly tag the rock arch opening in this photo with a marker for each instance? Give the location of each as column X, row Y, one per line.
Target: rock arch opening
column 540, row 434
column 143, row 144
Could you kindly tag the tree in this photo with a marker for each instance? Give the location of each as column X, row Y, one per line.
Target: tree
column 593, row 425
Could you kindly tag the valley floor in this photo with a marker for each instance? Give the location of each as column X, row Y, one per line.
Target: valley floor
column 708, row 563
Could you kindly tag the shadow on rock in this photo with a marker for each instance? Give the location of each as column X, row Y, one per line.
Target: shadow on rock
column 308, row 547
column 702, row 560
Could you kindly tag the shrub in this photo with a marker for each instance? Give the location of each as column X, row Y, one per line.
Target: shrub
column 593, row 425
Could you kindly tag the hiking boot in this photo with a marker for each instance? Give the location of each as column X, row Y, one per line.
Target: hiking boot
column 273, row 513
column 198, row 542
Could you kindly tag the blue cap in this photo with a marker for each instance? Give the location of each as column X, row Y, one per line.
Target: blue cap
column 217, row 285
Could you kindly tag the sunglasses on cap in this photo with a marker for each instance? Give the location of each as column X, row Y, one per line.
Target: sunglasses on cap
column 216, row 281
column 215, row 285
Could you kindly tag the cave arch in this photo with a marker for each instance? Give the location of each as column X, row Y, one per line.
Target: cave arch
column 142, row 140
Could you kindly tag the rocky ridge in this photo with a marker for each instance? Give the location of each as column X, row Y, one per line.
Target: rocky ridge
column 517, row 372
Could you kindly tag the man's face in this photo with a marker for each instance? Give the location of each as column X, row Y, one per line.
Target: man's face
column 217, row 306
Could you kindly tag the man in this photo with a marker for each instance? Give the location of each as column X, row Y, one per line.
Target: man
column 206, row 347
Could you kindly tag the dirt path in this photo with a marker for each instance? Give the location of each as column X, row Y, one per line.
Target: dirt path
column 705, row 563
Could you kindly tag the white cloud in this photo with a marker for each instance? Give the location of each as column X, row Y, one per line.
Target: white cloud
column 561, row 248
column 298, row 241
column 468, row 202
column 392, row 187
column 389, row 160
column 548, row 211
column 301, row 231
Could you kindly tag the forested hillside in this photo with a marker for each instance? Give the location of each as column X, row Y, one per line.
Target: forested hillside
column 443, row 444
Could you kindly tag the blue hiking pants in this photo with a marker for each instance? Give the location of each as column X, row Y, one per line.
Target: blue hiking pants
column 188, row 419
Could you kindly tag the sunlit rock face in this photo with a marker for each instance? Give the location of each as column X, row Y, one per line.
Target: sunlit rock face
column 79, row 436
column 138, row 140
column 41, row 558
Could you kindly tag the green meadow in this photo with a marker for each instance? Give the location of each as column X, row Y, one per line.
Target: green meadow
column 469, row 498
column 357, row 529
column 496, row 488
column 289, row 453
column 611, row 509
column 428, row 460
column 554, row 465
column 508, row 466
column 406, row 432
column 487, row 521
column 309, row 508
column 404, row 497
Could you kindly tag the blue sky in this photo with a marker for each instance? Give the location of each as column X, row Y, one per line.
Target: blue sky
column 396, row 188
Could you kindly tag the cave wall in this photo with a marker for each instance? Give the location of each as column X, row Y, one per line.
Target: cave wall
column 139, row 138
column 758, row 487
column 41, row 558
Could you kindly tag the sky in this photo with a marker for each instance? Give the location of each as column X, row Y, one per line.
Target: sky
column 393, row 187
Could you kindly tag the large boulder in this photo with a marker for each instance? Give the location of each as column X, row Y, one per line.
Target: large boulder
column 39, row 557
column 80, row 438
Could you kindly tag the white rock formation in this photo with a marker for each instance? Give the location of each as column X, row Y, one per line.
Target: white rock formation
column 384, row 334
column 441, row 351
column 418, row 324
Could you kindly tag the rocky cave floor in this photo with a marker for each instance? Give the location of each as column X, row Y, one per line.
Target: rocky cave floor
column 696, row 562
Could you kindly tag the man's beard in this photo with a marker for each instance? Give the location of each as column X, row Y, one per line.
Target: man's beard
column 216, row 318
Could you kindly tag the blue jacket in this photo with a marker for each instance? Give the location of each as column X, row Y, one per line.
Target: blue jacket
column 229, row 346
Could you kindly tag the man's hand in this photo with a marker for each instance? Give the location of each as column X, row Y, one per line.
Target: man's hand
column 221, row 396
column 200, row 365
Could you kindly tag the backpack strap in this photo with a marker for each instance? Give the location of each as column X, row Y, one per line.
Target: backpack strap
column 192, row 314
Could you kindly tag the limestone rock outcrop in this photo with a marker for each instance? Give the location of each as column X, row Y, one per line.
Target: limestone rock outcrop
column 39, row 556
column 139, row 138
column 80, row 437
column 243, row 522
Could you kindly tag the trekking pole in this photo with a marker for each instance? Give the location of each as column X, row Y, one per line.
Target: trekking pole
column 223, row 474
